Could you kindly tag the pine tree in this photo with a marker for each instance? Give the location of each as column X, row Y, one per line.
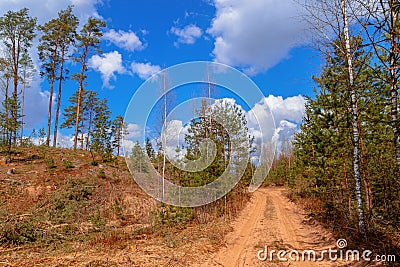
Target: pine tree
column 101, row 133
column 49, row 54
column 90, row 103
column 9, row 122
column 5, row 78
column 17, row 30
column 88, row 41
column 69, row 113
column 228, row 131
column 58, row 35
column 137, row 160
column 382, row 28
column 334, row 16
column 323, row 147
column 28, row 73
column 42, row 137
column 149, row 149
column 119, row 129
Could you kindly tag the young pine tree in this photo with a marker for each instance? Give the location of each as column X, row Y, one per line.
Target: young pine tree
column 119, row 129
column 138, row 161
column 101, row 133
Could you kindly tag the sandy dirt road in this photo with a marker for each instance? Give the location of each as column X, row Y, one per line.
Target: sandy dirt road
column 270, row 219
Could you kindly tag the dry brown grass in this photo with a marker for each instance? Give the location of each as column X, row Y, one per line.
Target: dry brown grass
column 73, row 217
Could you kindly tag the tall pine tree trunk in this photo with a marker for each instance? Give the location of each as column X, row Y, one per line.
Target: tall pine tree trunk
column 59, row 98
column 78, row 110
column 356, row 138
column 49, row 113
column 23, row 106
column 7, row 118
column 119, row 140
column 52, row 78
column 78, row 107
column 89, row 131
column 83, row 129
column 367, row 184
column 16, row 53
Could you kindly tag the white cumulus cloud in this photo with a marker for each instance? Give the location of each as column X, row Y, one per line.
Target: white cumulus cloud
column 287, row 113
column 174, row 135
column 291, row 108
column 255, row 34
column 107, row 64
column 45, row 10
column 126, row 40
column 127, row 146
column 144, row 70
column 187, row 35
column 134, row 131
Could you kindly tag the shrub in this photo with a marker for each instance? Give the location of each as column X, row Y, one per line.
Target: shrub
column 97, row 221
column 68, row 164
column 173, row 216
column 19, row 232
column 78, row 190
column 101, row 174
column 118, row 209
column 50, row 164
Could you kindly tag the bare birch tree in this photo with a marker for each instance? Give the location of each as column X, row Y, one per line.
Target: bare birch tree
column 160, row 127
column 330, row 20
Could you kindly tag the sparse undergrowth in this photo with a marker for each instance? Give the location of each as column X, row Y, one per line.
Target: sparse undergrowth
column 58, row 202
column 380, row 241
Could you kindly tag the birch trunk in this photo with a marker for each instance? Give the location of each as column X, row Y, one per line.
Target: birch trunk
column 393, row 81
column 164, row 136
column 356, row 138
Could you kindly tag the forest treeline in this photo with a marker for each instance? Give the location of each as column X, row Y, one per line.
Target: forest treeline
column 60, row 46
column 346, row 156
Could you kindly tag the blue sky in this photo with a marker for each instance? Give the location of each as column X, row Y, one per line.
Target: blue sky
column 263, row 38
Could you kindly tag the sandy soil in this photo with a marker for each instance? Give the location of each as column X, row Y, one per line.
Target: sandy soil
column 270, row 219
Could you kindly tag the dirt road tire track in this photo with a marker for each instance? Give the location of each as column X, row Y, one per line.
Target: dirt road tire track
column 270, row 219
